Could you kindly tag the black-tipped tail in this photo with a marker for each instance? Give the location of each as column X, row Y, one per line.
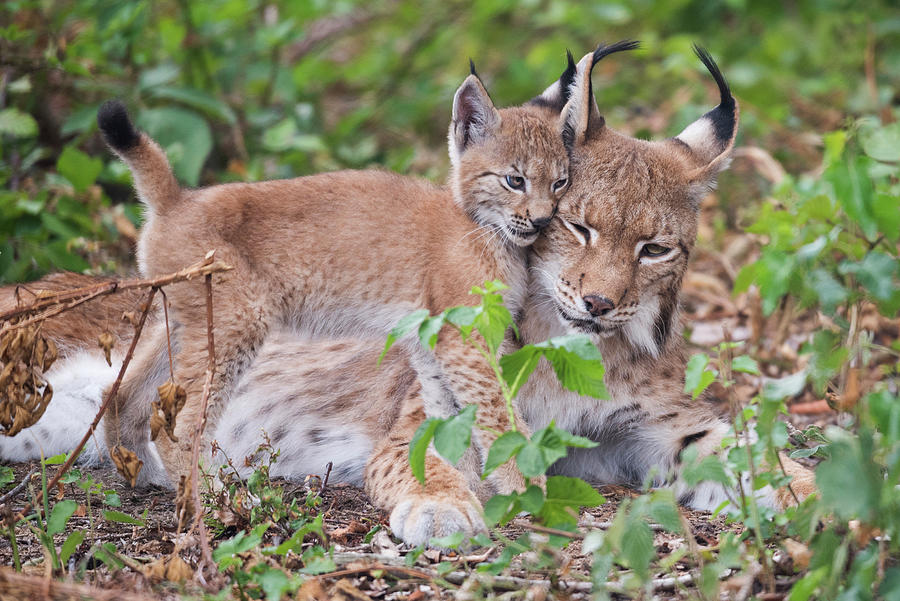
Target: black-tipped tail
column 116, row 127
column 727, row 100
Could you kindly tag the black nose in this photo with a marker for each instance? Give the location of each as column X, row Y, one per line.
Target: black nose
column 598, row 305
column 542, row 222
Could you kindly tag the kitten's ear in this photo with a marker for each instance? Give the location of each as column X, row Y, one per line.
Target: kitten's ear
column 580, row 118
column 711, row 137
column 474, row 116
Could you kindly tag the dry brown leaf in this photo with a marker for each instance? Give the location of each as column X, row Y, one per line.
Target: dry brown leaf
column 184, row 501
column 127, row 464
column 345, row 587
column 24, row 394
column 799, row 553
column 107, row 342
column 312, row 590
column 171, row 400
column 178, row 570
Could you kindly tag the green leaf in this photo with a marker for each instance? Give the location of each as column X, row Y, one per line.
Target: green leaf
column 745, row 364
column 506, row 445
column 707, row 469
column 7, row 475
column 850, row 481
column 197, row 99
column 637, row 546
column 853, row 189
column 876, row 272
column 17, row 124
column 565, row 497
column 184, row 134
column 575, row 359
column 77, row 167
column 59, row 515
column 696, row 377
column 224, row 554
column 499, row 509
column 882, row 143
column 453, row 435
column 787, row 387
column 532, row 500
column 448, row 542
column 884, row 206
column 122, row 518
column 428, row 330
column 273, row 582
column 419, row 446
column 72, row 541
column 403, row 327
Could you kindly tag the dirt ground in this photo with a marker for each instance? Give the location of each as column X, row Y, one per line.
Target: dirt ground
column 377, row 569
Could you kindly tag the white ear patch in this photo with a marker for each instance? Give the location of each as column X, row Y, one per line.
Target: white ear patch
column 700, row 136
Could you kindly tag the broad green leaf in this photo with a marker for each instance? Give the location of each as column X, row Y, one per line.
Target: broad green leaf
column 315, row 561
column 565, row 497
column 696, row 377
column 273, row 582
column 428, row 330
column 448, row 542
column 7, row 475
column 197, row 99
column 745, row 364
column 122, row 518
column 106, row 552
column 885, row 207
column 59, row 515
column 17, row 124
column 184, row 134
column 532, row 500
column 784, row 388
column 72, row 541
column 637, row 546
column 453, row 435
column 882, row 143
column 849, row 481
column 224, row 554
column 708, row 469
column 499, row 509
column 77, row 167
column 877, row 272
column 853, row 189
column 419, row 446
column 506, row 445
column 517, row 366
column 404, row 326
column 575, row 359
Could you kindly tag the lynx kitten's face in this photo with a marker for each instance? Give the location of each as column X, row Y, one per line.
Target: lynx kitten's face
column 514, row 180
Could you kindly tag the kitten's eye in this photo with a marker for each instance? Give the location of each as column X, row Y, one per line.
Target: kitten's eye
column 654, row 250
column 585, row 233
column 515, row 182
column 560, row 184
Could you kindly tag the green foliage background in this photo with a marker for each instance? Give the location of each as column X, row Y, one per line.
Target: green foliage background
column 252, row 90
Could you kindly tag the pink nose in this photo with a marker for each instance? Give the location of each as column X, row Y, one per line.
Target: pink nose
column 598, row 305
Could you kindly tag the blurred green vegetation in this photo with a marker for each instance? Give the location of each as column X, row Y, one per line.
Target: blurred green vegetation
column 249, row 90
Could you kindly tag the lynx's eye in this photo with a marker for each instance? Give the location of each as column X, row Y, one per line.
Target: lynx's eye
column 560, row 184
column 581, row 231
column 515, row 182
column 654, row 250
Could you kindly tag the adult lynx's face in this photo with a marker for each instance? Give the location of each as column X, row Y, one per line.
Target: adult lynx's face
column 613, row 260
column 510, row 166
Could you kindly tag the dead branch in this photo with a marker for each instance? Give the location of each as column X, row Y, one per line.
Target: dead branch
column 50, row 305
column 326, row 28
column 15, row 586
column 206, row 560
column 113, row 391
column 18, row 488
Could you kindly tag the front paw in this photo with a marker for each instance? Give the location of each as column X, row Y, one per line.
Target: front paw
column 420, row 517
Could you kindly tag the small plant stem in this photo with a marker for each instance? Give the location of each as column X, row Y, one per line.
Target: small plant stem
column 507, row 391
column 17, row 562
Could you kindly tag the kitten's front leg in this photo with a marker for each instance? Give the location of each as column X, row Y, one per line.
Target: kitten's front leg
column 445, row 504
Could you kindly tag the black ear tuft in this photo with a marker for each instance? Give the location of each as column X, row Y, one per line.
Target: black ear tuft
column 472, row 68
column 116, row 127
column 726, row 99
column 604, row 50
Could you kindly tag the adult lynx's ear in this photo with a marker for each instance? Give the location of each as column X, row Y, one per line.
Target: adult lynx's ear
column 580, row 118
column 711, row 137
column 474, row 116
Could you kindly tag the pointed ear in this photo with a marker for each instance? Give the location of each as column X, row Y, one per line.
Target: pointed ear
column 580, row 118
column 711, row 137
column 556, row 96
column 474, row 116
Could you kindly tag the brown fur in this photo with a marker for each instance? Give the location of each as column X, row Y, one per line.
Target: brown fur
column 351, row 251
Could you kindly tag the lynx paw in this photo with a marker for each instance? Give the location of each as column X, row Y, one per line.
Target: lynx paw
column 419, row 518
